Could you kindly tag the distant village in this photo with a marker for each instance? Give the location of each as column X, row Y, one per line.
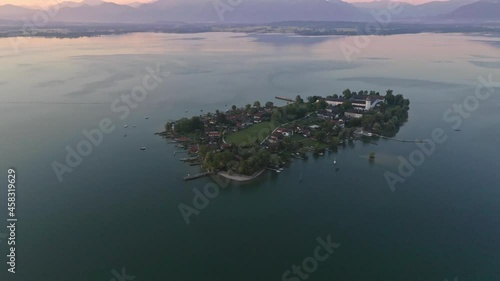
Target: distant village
column 242, row 142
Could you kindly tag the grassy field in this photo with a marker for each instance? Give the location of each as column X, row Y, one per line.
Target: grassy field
column 308, row 141
column 249, row 135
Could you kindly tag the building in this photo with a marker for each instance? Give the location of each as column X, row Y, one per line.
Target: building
column 359, row 102
column 354, row 113
column 284, row 132
column 213, row 134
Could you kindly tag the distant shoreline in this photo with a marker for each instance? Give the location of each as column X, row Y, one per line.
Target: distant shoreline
column 9, row 29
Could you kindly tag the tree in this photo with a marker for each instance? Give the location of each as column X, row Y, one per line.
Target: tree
column 372, row 156
column 269, row 104
column 367, row 121
column 389, row 97
column 221, row 118
column 248, row 106
column 233, row 107
column 298, row 99
column 320, row 136
column 321, row 104
column 276, row 117
column 313, row 99
column 256, row 104
column 347, row 94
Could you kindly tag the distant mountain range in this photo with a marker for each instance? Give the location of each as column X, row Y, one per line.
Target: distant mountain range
column 482, row 10
column 258, row 11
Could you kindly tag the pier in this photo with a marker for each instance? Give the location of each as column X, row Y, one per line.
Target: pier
column 400, row 140
column 189, row 159
column 197, row 176
column 284, row 98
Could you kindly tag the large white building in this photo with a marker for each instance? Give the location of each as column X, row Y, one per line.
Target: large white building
column 361, row 102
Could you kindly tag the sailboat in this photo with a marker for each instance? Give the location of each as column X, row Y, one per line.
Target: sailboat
column 334, row 161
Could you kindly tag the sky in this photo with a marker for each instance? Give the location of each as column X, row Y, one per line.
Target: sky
column 42, row 3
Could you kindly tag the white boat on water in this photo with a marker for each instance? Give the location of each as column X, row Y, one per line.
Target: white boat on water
column 143, row 148
column 334, row 161
column 125, row 126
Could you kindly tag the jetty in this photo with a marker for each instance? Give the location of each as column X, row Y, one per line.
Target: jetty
column 189, row 159
column 273, row 169
column 400, row 140
column 197, row 176
column 284, row 98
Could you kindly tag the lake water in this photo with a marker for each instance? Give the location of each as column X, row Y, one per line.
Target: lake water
column 119, row 207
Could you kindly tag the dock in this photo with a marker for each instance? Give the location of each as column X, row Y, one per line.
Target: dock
column 284, row 98
column 197, row 176
column 273, row 169
column 400, row 140
column 189, row 159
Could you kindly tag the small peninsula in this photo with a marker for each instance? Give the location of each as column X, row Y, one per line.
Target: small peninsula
column 242, row 142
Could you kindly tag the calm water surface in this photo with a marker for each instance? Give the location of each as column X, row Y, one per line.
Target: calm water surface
column 119, row 207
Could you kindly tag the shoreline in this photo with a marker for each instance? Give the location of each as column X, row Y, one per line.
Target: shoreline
column 241, row 178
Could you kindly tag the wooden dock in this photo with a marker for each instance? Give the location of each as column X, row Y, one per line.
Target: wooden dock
column 197, row 176
column 284, row 98
column 400, row 140
column 189, row 159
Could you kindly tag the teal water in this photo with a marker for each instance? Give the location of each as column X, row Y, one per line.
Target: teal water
column 119, row 207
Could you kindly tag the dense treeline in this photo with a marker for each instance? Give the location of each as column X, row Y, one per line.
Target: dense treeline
column 245, row 161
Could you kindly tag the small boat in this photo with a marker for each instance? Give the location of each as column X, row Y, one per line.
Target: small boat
column 457, row 130
column 334, row 161
column 125, row 126
column 125, row 135
column 281, row 169
column 143, row 148
column 133, row 126
column 147, row 118
column 186, row 111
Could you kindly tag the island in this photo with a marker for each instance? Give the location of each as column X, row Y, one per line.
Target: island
column 242, row 142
